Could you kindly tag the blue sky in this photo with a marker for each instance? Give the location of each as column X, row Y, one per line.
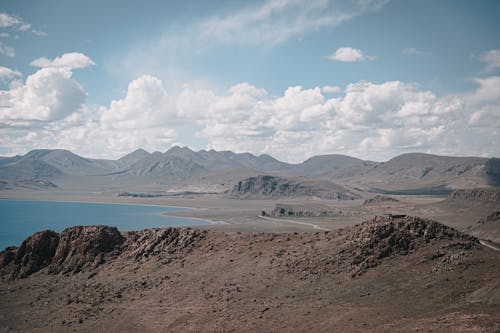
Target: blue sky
column 377, row 78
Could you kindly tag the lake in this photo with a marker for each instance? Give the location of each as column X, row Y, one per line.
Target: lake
column 19, row 218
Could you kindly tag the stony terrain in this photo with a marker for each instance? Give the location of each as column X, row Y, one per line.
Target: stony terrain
column 386, row 274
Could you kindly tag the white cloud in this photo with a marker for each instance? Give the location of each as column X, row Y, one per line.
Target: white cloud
column 366, row 119
column 49, row 94
column 349, row 54
column 7, row 21
column 71, row 60
column 488, row 90
column 145, row 105
column 413, row 51
column 331, row 89
column 7, row 74
column 11, row 21
column 277, row 21
column 491, row 58
column 262, row 24
column 7, row 50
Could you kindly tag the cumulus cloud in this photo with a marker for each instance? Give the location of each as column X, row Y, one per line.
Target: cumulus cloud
column 145, row 105
column 49, row 110
column 349, row 54
column 366, row 119
column 491, row 58
column 48, row 94
column 369, row 120
column 71, row 60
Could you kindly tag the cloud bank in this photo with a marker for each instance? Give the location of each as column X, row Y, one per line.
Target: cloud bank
column 371, row 120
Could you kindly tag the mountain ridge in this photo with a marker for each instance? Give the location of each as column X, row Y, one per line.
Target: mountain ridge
column 183, row 166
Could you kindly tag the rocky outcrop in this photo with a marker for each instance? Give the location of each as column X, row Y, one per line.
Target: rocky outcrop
column 265, row 186
column 379, row 199
column 35, row 253
column 368, row 244
column 160, row 242
column 478, row 194
column 287, row 210
column 355, row 250
column 84, row 246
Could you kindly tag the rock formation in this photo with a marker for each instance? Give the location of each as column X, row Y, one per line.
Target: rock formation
column 86, row 247
column 478, row 194
column 83, row 246
column 378, row 199
column 266, row 186
column 35, row 253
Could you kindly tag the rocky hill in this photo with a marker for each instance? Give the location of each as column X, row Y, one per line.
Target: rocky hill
column 391, row 274
column 266, row 186
column 86, row 247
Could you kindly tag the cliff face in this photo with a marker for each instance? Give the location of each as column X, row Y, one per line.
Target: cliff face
column 492, row 171
column 265, row 186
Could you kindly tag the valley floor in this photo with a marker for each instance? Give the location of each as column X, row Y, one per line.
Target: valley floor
column 244, row 215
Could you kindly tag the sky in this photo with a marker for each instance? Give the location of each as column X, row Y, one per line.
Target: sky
column 290, row 78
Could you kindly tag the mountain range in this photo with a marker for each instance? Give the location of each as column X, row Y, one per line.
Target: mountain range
column 181, row 168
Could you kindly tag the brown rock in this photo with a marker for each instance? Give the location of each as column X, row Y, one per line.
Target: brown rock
column 84, row 246
column 35, row 253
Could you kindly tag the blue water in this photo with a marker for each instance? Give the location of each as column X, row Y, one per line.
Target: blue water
column 20, row 219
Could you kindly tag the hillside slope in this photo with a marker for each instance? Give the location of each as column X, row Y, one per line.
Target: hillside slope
column 383, row 275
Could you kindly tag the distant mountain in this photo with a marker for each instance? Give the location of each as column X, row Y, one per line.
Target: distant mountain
column 413, row 173
column 332, row 166
column 424, row 171
column 132, row 158
column 162, row 169
column 227, row 160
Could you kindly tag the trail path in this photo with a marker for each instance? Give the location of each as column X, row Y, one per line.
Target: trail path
column 315, row 226
column 488, row 245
